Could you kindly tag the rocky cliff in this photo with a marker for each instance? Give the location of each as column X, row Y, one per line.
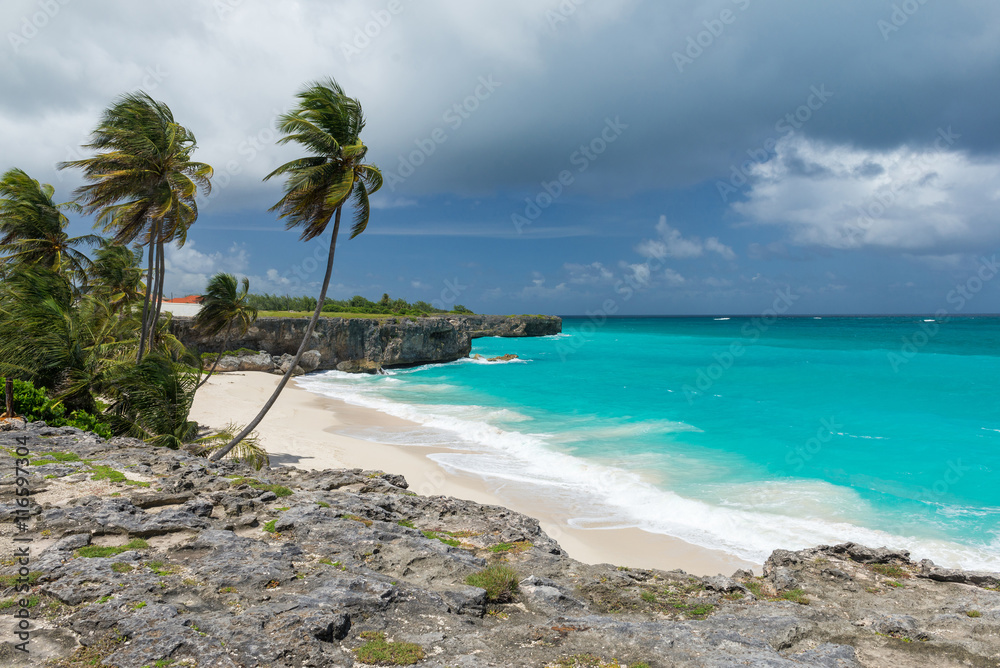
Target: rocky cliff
column 357, row 343
column 150, row 557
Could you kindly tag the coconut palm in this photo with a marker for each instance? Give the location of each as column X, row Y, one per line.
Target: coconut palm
column 328, row 125
column 223, row 307
column 153, row 400
column 33, row 227
column 116, row 275
column 142, row 185
column 54, row 340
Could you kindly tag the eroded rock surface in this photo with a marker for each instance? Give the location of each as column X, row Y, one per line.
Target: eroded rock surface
column 218, row 565
column 361, row 344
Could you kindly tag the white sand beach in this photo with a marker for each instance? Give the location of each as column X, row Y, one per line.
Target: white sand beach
column 303, row 428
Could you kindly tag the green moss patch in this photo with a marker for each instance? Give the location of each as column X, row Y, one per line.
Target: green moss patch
column 279, row 490
column 379, row 651
column 93, row 551
column 55, row 458
column 519, row 546
column 355, row 518
column 14, row 580
column 890, row 570
column 433, row 535
column 15, row 602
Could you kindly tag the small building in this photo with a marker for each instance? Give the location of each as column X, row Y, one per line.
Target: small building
column 182, row 306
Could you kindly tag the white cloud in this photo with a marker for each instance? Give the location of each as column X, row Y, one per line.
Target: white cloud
column 671, row 243
column 594, row 273
column 923, row 201
column 538, row 289
column 640, row 274
column 713, row 245
column 673, row 279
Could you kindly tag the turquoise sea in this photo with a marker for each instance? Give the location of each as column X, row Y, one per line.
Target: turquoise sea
column 738, row 434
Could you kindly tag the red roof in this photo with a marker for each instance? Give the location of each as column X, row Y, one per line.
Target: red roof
column 190, row 299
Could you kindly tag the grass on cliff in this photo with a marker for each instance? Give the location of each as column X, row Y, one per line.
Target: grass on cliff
column 279, row 490
column 325, row 314
column 499, row 580
column 91, row 655
column 92, row 551
column 379, row 651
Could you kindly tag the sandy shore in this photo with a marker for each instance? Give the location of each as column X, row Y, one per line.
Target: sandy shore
column 303, row 430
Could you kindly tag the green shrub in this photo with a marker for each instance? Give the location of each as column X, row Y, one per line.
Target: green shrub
column 379, row 651
column 974, row 613
column 270, row 526
column 32, row 403
column 499, row 581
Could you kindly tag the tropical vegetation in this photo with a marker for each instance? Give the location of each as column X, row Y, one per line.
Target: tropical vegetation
column 327, row 124
column 356, row 304
column 142, row 185
column 81, row 337
column 81, row 334
column 224, row 307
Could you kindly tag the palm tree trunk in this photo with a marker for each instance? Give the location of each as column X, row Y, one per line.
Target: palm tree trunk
column 218, row 357
column 162, row 271
column 149, row 290
column 219, row 454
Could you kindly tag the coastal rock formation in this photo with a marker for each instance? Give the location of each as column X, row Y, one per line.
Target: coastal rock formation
column 264, row 361
column 143, row 556
column 367, row 343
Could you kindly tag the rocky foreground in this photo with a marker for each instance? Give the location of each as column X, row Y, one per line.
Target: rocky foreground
column 150, row 557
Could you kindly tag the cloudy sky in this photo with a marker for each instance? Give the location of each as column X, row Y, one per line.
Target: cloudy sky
column 564, row 156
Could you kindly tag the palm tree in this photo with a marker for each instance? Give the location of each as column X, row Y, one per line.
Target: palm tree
column 153, row 400
column 142, row 184
column 33, row 227
column 116, row 275
column 328, row 125
column 54, row 340
column 223, row 307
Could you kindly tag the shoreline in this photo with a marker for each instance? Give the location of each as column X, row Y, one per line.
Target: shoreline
column 302, row 430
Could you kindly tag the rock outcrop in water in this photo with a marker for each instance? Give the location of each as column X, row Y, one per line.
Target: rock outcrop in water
column 144, row 557
column 363, row 344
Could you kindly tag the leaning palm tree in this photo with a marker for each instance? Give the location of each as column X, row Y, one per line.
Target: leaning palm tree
column 142, row 184
column 328, row 125
column 224, row 307
column 33, row 227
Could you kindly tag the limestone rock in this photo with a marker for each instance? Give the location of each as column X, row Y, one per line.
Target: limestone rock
column 359, row 366
column 310, row 360
column 387, row 342
column 260, row 362
column 350, row 551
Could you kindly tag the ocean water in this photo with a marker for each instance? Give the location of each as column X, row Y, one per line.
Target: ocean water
column 736, row 434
